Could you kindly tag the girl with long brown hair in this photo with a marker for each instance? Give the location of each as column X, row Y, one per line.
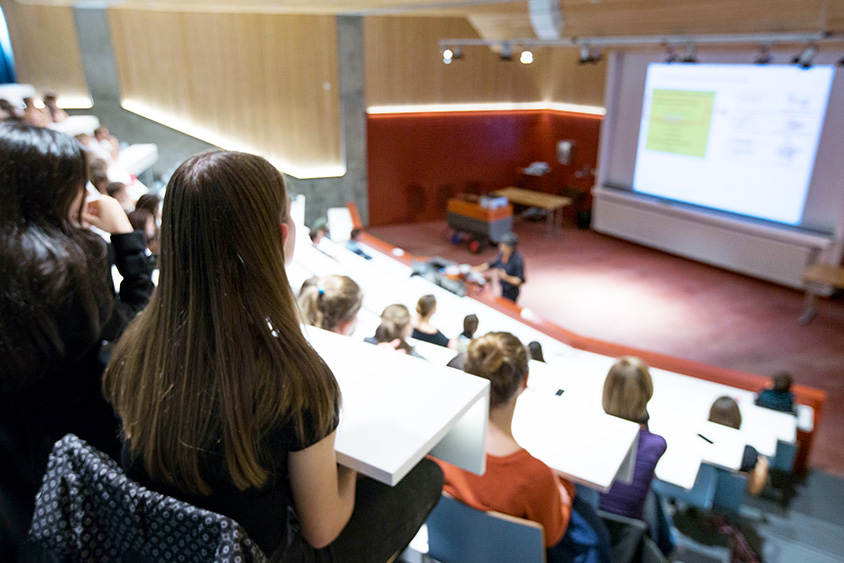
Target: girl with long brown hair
column 224, row 404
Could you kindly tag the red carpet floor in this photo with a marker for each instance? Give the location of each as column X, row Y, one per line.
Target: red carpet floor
column 602, row 287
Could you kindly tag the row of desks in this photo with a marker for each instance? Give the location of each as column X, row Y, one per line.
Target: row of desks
column 567, row 430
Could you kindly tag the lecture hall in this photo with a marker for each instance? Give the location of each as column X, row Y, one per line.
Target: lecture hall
column 421, row 281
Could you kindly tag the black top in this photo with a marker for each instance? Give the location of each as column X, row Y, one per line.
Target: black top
column 513, row 267
column 749, row 459
column 437, row 338
column 67, row 398
column 261, row 511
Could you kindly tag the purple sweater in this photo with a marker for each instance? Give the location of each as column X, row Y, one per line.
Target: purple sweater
column 629, row 499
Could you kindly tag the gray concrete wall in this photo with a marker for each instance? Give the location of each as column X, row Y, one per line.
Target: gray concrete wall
column 174, row 147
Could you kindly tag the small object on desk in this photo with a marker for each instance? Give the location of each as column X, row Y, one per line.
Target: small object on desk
column 560, row 392
column 705, row 438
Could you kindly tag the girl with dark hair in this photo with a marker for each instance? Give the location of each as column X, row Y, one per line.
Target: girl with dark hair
column 224, row 403
column 58, row 305
column 423, row 330
column 726, row 411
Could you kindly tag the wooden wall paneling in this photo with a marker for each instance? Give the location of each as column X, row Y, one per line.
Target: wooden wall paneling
column 255, row 82
column 404, row 66
column 46, row 51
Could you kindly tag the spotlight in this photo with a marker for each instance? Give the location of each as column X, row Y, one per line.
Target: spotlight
column 454, row 54
column 506, row 52
column 764, row 57
column 805, row 58
column 690, row 56
column 526, row 57
column 587, row 56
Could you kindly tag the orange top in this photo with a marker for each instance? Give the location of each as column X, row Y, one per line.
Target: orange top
column 519, row 485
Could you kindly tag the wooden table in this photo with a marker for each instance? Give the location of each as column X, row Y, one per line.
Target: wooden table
column 553, row 204
column 815, row 276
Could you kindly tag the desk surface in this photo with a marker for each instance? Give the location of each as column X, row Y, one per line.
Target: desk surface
column 680, row 403
column 396, row 408
column 533, row 199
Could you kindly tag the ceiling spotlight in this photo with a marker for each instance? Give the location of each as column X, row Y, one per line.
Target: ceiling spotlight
column 526, row 57
column 448, row 56
column 588, row 56
column 805, row 58
column 506, row 52
column 764, row 57
column 690, row 56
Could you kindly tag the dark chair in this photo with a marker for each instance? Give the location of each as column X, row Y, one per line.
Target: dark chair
column 627, row 536
column 700, row 496
column 458, row 533
column 88, row 510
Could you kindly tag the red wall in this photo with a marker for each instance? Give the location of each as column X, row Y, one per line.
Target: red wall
column 418, row 161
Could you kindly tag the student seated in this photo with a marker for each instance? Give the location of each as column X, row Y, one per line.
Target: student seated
column 725, row 411
column 422, row 327
column 470, row 327
column 331, row 303
column 399, row 315
column 388, row 335
column 52, row 109
column 353, row 246
column 779, row 397
column 223, row 402
column 535, row 351
column 627, row 390
column 515, row 482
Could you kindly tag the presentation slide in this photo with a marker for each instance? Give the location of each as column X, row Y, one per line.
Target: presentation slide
column 738, row 138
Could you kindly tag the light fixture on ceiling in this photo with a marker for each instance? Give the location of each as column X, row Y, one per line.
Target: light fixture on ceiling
column 526, row 57
column 764, row 57
column 588, row 55
column 690, row 55
column 448, row 55
column 506, row 51
column 806, row 56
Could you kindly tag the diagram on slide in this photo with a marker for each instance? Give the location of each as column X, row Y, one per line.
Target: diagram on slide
column 680, row 122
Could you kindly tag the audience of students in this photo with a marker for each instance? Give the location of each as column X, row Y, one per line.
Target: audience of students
column 58, row 306
column 725, row 411
column 331, row 303
column 223, row 402
column 515, row 482
column 627, row 390
column 779, row 396
column 423, row 330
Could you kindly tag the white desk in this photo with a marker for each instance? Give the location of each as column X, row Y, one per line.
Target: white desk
column 137, row 159
column 15, row 93
column 396, row 409
column 77, row 125
column 583, row 445
column 437, row 355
